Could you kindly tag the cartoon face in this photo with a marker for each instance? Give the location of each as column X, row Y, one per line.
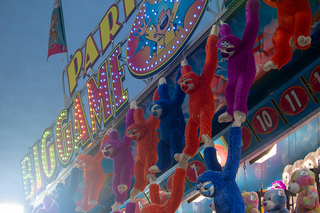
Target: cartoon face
column 156, row 110
column 164, row 20
column 134, row 134
column 80, row 163
column 227, row 50
column 186, row 84
column 107, row 150
column 206, row 189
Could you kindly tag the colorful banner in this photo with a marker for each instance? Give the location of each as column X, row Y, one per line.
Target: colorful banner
column 57, row 37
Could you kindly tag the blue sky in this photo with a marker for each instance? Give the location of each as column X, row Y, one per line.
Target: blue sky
column 31, row 88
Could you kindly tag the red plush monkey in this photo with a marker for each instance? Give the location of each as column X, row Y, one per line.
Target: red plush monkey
column 175, row 198
column 294, row 19
column 145, row 134
column 201, row 101
column 93, row 178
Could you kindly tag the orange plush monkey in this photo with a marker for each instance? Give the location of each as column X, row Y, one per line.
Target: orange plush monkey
column 144, row 133
column 201, row 101
column 294, row 19
column 175, row 198
column 93, row 178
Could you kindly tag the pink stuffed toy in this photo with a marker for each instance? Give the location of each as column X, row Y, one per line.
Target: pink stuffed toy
column 303, row 182
column 241, row 66
column 250, row 201
column 294, row 19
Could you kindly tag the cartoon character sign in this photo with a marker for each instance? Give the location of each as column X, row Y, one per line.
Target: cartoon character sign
column 160, row 30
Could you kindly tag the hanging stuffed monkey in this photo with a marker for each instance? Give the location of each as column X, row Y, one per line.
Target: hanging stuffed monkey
column 123, row 161
column 172, row 125
column 201, row 101
column 144, row 133
column 241, row 66
column 63, row 195
column 221, row 185
column 93, row 179
column 294, row 19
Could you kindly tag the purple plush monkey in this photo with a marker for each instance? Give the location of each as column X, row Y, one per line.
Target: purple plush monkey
column 123, row 161
column 241, row 65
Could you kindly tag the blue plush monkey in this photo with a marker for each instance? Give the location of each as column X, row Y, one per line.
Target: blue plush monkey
column 64, row 196
column 221, row 185
column 172, row 125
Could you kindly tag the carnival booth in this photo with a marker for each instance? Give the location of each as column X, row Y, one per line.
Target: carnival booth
column 102, row 153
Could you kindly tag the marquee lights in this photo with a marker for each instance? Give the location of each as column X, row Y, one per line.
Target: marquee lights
column 99, row 98
column 81, row 127
column 64, row 139
column 48, row 162
column 120, row 96
column 106, row 95
column 28, row 182
column 35, row 152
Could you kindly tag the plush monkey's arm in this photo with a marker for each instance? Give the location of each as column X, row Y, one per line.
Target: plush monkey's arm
column 152, row 121
column 139, row 115
column 129, row 120
column 54, row 208
column 175, row 198
column 252, row 23
column 99, row 155
column 73, row 183
column 211, row 62
column 179, row 95
column 154, row 193
column 234, row 153
column 210, row 158
column 163, row 92
column 270, row 3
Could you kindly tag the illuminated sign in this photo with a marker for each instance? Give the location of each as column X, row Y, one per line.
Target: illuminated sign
column 74, row 129
column 160, row 30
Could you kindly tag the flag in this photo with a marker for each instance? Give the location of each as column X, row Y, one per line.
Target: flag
column 57, row 37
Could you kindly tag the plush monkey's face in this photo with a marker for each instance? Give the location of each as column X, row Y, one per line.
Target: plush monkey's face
column 81, row 162
column 227, row 49
column 134, row 134
column 156, row 110
column 55, row 195
column 107, row 150
column 186, row 84
column 206, row 189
